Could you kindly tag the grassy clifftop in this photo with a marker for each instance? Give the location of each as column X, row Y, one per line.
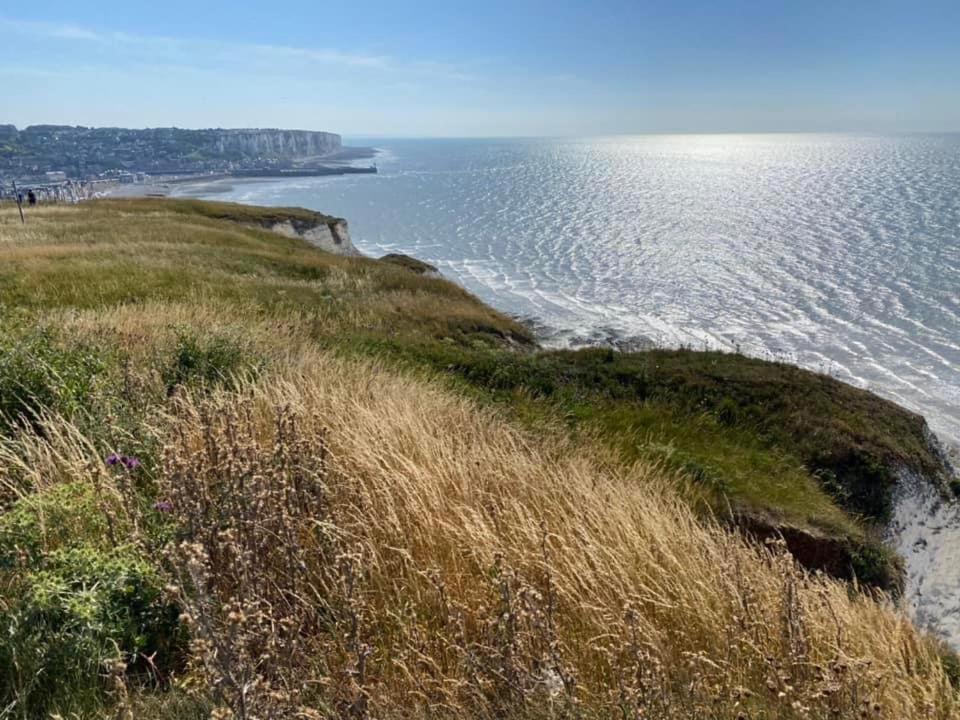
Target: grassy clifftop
column 123, row 252
column 241, row 475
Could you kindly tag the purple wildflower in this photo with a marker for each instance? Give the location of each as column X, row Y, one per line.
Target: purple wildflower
column 130, row 463
column 113, row 459
column 163, row 506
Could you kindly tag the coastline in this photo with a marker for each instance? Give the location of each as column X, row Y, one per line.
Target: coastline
column 221, row 183
column 525, row 227
column 188, row 187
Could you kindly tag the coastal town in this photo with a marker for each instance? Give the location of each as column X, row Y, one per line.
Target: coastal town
column 54, row 163
column 55, row 188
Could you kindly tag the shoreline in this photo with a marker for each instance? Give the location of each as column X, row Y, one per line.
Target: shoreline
column 186, row 187
column 196, row 186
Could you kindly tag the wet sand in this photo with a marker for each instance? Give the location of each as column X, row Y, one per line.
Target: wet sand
column 217, row 184
column 199, row 187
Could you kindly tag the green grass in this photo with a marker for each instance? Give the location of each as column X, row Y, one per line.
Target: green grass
column 37, row 373
column 76, row 597
column 832, row 429
column 253, row 215
column 410, row 263
column 124, row 252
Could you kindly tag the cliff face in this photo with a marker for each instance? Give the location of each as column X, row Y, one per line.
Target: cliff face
column 276, row 143
column 330, row 235
column 322, row 231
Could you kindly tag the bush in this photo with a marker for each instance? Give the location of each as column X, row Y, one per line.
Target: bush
column 37, row 374
column 727, row 411
column 65, row 516
column 81, row 616
column 258, row 559
column 205, row 361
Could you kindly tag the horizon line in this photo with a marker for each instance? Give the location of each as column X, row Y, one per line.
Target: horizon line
column 504, row 136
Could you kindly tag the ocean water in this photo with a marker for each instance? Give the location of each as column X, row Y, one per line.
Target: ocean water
column 840, row 253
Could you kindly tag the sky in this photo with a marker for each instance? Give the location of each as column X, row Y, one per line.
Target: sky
column 484, row 69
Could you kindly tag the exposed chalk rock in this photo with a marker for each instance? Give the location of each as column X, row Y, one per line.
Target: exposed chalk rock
column 333, row 236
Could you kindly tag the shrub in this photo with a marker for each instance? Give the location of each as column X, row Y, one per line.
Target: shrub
column 37, row 374
column 206, row 361
column 83, row 615
column 64, row 516
column 727, row 411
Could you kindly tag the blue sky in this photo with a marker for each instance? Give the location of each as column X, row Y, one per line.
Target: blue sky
column 452, row 68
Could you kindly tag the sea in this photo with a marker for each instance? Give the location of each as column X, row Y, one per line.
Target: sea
column 836, row 252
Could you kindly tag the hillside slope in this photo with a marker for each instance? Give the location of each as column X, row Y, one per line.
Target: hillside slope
column 243, row 476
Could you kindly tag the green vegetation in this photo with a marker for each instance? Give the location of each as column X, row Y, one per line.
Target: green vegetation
column 784, row 450
column 176, row 250
column 253, row 215
column 77, row 603
column 79, row 615
column 410, row 263
column 207, row 360
column 38, row 374
column 851, row 440
column 112, row 312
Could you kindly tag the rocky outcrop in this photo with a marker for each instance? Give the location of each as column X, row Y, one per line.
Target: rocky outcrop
column 331, row 235
column 325, row 232
column 843, row 557
column 412, row 264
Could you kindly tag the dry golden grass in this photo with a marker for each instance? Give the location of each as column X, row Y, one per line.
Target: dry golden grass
column 364, row 543
column 503, row 574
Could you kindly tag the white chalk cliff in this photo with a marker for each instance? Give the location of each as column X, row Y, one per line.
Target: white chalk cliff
column 332, row 236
